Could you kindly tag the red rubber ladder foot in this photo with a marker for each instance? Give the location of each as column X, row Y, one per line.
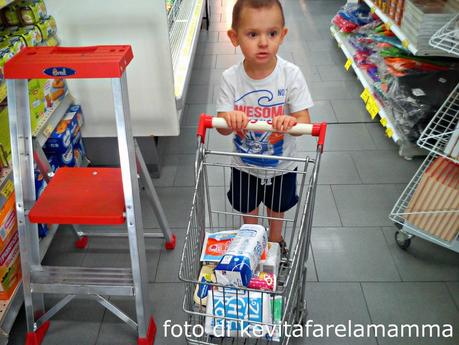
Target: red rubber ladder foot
column 82, row 242
column 151, row 334
column 171, row 244
column 35, row 338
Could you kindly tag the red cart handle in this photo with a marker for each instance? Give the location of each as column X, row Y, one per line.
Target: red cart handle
column 208, row 121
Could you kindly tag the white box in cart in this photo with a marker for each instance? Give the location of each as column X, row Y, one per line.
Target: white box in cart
column 272, row 261
column 239, row 306
column 241, row 259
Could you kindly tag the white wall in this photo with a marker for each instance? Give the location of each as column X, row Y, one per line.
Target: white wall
column 142, row 24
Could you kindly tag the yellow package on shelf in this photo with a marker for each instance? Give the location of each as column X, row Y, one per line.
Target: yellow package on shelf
column 5, row 144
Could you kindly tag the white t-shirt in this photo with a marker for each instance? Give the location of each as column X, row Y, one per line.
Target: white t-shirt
column 284, row 91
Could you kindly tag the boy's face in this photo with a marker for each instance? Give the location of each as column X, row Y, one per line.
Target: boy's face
column 259, row 35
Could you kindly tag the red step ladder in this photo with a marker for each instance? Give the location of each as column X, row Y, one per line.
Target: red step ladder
column 101, row 196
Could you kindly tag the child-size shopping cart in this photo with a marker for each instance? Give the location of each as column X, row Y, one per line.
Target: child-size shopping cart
column 221, row 314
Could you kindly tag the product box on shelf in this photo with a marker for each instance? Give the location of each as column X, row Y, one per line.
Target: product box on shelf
column 47, row 27
column 8, row 223
column 10, row 268
column 5, row 143
column 31, row 11
column 11, row 15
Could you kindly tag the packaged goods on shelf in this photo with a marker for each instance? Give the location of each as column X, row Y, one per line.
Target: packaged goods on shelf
column 422, row 18
column 415, row 97
column 47, row 27
column 11, row 15
column 351, row 16
column 247, row 308
column 65, row 145
column 10, row 268
column 437, row 192
column 8, row 223
column 5, row 142
column 240, row 260
column 31, row 11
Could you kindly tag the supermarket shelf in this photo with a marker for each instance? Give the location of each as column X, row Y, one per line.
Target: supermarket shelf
column 390, row 24
column 365, row 80
column 10, row 309
column 393, row 27
column 4, row 3
column 6, row 185
column 183, row 37
column 406, row 148
column 399, row 214
column 447, row 38
column 440, row 130
column 50, row 120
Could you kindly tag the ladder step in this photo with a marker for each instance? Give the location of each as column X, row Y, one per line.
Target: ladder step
column 81, row 196
column 83, row 281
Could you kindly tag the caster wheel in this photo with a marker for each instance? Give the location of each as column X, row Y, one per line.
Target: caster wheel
column 398, row 226
column 402, row 240
column 82, row 242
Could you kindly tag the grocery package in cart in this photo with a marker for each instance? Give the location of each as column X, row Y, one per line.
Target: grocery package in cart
column 239, row 287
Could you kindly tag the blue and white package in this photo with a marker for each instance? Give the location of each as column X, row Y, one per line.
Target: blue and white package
column 241, row 259
column 248, row 308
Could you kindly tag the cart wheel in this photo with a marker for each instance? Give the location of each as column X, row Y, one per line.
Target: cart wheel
column 82, row 242
column 398, row 226
column 403, row 241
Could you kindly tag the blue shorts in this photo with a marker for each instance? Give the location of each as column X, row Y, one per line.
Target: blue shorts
column 247, row 191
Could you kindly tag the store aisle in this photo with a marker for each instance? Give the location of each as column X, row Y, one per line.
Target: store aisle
column 357, row 272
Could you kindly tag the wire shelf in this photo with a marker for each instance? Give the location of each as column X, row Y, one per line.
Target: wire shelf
column 447, row 38
column 443, row 128
column 173, row 12
column 402, row 212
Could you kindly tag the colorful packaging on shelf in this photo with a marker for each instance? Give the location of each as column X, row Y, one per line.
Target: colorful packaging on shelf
column 11, row 15
column 272, row 261
column 47, row 27
column 216, row 244
column 59, row 141
column 10, row 268
column 263, row 281
column 8, row 223
column 30, row 34
column 206, row 275
column 53, row 162
column 248, row 307
column 67, row 158
column 5, row 142
column 31, row 11
column 241, row 259
column 42, row 230
column 40, row 183
column 73, row 120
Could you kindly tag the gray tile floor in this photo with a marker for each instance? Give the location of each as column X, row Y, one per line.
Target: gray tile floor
column 356, row 271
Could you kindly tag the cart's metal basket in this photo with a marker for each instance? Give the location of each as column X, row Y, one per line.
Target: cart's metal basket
column 242, row 315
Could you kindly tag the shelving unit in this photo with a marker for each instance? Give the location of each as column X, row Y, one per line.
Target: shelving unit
column 407, row 149
column 397, row 30
column 399, row 214
column 6, row 185
column 442, row 126
column 447, row 37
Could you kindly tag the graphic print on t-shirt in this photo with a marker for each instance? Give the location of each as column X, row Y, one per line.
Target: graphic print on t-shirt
column 266, row 107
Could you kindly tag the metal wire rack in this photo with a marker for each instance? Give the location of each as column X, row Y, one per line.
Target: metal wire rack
column 443, row 128
column 173, row 11
column 447, row 38
column 401, row 213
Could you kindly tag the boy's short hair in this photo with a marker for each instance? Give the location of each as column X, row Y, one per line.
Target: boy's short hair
column 240, row 4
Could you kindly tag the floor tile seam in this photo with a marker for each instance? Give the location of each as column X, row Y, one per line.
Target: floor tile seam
column 356, row 167
column 386, row 240
column 336, row 206
column 311, row 249
column 452, row 295
column 368, row 308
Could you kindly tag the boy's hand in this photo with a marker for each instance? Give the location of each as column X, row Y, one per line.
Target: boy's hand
column 283, row 123
column 236, row 120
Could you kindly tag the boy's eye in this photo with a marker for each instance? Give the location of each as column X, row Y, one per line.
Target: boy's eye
column 273, row 33
column 252, row 34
